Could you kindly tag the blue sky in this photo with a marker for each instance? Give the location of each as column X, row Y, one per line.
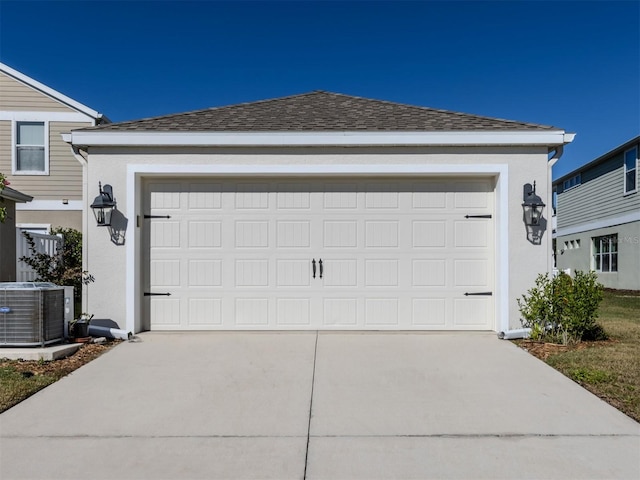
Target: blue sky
column 571, row 64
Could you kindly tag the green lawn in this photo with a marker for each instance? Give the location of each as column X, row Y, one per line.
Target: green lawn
column 611, row 369
column 17, row 385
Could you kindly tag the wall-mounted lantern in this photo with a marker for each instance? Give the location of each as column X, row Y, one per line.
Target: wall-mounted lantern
column 103, row 205
column 532, row 207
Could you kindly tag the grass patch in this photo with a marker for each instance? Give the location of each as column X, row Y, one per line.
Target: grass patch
column 17, row 385
column 610, row 369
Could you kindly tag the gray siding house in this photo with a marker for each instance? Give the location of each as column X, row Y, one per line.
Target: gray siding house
column 598, row 218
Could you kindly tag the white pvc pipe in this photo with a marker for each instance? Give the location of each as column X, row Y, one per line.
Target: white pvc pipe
column 514, row 334
column 97, row 331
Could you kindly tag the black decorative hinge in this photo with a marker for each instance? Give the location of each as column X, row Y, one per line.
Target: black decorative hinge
column 157, row 216
column 150, row 294
column 486, row 294
column 477, row 216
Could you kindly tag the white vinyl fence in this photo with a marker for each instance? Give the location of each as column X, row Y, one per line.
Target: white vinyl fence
column 48, row 244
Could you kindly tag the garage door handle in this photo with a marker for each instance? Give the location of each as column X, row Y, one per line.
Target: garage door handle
column 320, row 263
column 313, row 267
column 486, row 294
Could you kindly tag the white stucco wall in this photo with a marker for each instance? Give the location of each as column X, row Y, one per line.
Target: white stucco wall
column 107, row 297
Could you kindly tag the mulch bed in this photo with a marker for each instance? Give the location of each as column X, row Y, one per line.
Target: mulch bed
column 61, row 367
column 544, row 350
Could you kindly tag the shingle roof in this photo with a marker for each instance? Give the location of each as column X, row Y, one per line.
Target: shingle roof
column 320, row 111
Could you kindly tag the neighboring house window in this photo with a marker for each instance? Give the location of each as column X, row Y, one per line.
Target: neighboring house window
column 630, row 170
column 31, row 148
column 605, row 253
column 571, row 182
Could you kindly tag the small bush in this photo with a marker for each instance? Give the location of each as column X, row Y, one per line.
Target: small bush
column 64, row 267
column 562, row 309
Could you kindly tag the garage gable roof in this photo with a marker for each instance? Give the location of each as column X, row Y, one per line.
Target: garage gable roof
column 321, row 111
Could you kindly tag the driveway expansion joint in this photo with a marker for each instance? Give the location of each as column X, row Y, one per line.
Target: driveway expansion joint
column 313, row 381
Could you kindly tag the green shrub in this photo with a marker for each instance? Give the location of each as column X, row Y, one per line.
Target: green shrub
column 562, row 308
column 62, row 268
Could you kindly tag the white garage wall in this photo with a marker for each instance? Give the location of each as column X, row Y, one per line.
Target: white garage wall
column 113, row 266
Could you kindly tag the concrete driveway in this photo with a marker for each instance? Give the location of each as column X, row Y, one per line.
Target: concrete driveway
column 317, row 406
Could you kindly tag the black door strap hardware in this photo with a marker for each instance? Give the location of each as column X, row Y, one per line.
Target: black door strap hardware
column 157, row 216
column 313, row 267
column 486, row 294
column 477, row 216
column 150, row 294
column 320, row 262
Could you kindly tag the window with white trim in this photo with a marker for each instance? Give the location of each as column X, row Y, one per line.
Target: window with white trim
column 630, row 170
column 30, row 155
column 605, row 253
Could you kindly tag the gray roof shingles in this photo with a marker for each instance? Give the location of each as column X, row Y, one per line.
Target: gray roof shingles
column 320, row 111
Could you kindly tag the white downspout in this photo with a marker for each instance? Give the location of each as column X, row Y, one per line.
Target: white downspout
column 552, row 161
column 66, row 137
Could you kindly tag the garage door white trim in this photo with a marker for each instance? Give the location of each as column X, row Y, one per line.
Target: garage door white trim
column 135, row 173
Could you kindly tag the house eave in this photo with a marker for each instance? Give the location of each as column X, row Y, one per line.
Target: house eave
column 279, row 139
column 14, row 195
column 70, row 102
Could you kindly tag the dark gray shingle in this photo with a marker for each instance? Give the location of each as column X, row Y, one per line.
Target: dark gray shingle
column 320, row 111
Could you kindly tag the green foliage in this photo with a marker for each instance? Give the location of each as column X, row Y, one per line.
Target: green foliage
column 562, row 309
column 3, row 210
column 65, row 266
column 588, row 375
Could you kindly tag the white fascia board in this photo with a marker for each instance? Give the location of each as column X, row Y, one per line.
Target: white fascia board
column 110, row 138
column 51, row 205
column 39, row 116
column 598, row 224
column 49, row 91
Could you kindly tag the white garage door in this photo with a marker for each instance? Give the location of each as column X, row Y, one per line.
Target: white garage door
column 320, row 254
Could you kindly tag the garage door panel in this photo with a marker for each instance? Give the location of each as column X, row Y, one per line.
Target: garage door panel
column 293, row 196
column 165, row 234
column 205, row 312
column 471, row 234
column 293, row 273
column 381, row 234
column 165, row 273
column 252, row 311
column 471, row 313
column 237, row 254
column 293, row 234
column 381, row 312
column 381, row 273
column 252, row 196
column 340, row 196
column 340, row 312
column 205, row 234
column 252, row 234
column 429, row 234
column 204, row 196
column 252, row 273
column 429, row 272
column 165, row 313
column 205, row 273
column 340, row 272
column 471, row 273
column 429, row 312
column 293, row 312
column 340, row 234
